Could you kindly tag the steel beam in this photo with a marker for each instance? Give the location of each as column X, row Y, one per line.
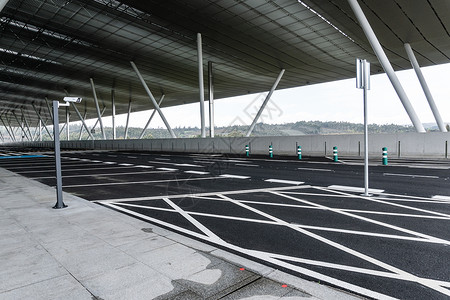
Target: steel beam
column 97, row 108
column 384, row 61
column 82, row 120
column 252, row 126
column 20, row 125
column 40, row 118
column 10, row 128
column 48, row 107
column 151, row 117
column 211, row 98
column 426, row 90
column 153, row 99
column 113, row 112
column 26, row 124
column 200, row 84
column 67, row 122
column 7, row 130
column 125, row 135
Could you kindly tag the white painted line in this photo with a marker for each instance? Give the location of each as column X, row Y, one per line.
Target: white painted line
column 104, row 174
column 197, row 172
column 428, row 167
column 188, row 165
column 146, row 167
column 96, row 161
column 234, row 176
column 131, row 157
column 157, row 158
column 126, row 165
column 311, row 169
column 233, row 192
column 440, row 197
column 353, row 189
column 138, row 182
column 246, row 165
column 112, row 155
column 167, row 169
column 284, row 181
column 109, row 162
column 409, row 175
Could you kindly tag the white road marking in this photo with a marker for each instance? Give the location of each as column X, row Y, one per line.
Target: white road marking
column 167, row 169
column 353, row 189
column 284, row 181
column 405, row 275
column 246, row 165
column 131, row 157
column 188, row 165
column 311, row 169
column 440, row 197
column 71, row 170
column 106, row 174
column 410, row 175
column 367, row 219
column 193, row 221
column 139, row 182
column 126, row 165
column 233, row 192
column 112, row 155
column 109, row 162
column 146, row 167
column 96, row 161
column 234, row 176
column 197, row 172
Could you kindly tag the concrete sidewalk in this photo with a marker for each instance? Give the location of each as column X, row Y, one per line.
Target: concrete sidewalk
column 87, row 251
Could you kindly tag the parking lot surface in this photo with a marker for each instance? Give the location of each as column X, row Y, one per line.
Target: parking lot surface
column 307, row 217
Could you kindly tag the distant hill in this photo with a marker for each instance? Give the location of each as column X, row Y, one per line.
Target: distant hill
column 261, row 129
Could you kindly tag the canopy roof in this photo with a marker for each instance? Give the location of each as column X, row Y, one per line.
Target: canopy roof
column 48, row 47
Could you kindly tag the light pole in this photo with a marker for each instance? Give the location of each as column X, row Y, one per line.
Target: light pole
column 56, row 105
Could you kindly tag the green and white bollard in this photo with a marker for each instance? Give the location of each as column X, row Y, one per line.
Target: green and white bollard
column 270, row 151
column 335, row 154
column 247, row 150
column 385, row 156
column 299, row 152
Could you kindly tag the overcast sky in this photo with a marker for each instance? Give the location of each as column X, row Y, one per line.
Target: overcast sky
column 333, row 101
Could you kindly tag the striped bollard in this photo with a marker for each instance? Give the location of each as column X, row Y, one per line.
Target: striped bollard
column 335, row 154
column 270, row 151
column 247, row 150
column 299, row 152
column 385, row 156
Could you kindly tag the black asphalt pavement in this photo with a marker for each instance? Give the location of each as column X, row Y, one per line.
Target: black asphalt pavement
column 308, row 217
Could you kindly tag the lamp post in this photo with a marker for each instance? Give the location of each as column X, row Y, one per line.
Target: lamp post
column 56, row 105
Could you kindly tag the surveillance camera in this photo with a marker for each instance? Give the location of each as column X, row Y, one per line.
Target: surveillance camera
column 73, row 99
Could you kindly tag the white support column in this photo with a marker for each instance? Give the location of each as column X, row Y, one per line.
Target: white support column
column 125, row 135
column 97, row 108
column 40, row 130
column 149, row 93
column 67, row 122
column 113, row 112
column 249, row 132
column 96, row 122
column 426, row 90
column 200, row 84
column 382, row 58
column 151, row 117
column 2, row 4
column 211, row 98
column 82, row 120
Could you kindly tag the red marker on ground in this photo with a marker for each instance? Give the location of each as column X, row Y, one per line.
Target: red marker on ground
column 284, row 285
column 242, row 269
